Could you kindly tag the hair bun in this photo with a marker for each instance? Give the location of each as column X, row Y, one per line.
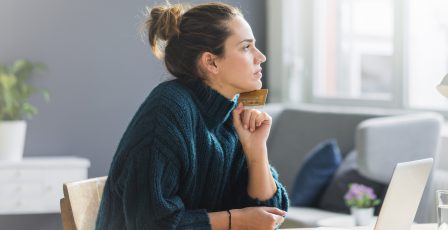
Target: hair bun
column 162, row 23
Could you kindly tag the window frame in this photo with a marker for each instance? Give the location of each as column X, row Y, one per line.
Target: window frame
column 399, row 84
column 282, row 45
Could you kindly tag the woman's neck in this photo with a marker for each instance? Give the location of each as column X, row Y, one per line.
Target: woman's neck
column 227, row 92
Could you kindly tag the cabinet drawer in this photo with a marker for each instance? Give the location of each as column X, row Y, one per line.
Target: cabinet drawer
column 11, row 190
column 21, row 205
column 15, row 174
column 34, row 185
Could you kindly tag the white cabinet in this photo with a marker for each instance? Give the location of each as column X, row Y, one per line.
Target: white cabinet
column 34, row 185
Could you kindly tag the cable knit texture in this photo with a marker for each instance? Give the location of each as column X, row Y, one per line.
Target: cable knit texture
column 179, row 158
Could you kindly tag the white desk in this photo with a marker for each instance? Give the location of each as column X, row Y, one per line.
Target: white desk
column 341, row 221
column 34, row 185
column 414, row 227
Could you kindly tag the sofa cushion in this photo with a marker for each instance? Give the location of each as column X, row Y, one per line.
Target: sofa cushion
column 315, row 174
column 333, row 197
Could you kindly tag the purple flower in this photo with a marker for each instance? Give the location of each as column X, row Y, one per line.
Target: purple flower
column 360, row 195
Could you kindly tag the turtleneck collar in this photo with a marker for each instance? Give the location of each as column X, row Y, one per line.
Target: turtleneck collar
column 213, row 106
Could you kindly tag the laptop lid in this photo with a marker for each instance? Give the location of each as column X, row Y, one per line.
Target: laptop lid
column 403, row 195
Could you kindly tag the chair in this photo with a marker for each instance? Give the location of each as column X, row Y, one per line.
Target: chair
column 383, row 142
column 80, row 204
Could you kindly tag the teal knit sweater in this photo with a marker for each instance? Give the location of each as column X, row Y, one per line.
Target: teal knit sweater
column 179, row 158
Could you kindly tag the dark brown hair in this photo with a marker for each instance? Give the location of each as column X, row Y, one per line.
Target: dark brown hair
column 180, row 34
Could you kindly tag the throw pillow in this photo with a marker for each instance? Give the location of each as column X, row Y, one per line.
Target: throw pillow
column 315, row 174
column 333, row 197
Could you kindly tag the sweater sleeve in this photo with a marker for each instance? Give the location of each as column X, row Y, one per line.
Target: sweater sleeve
column 149, row 187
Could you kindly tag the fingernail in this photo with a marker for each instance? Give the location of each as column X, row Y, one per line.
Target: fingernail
column 245, row 127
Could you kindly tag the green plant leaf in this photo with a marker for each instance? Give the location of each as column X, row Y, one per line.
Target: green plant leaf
column 22, row 69
column 29, row 110
column 7, row 81
column 15, row 90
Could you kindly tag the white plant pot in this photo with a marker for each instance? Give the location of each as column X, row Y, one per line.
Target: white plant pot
column 362, row 216
column 12, row 140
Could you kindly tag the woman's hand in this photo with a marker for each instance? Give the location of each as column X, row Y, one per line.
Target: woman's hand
column 252, row 126
column 257, row 218
column 253, row 129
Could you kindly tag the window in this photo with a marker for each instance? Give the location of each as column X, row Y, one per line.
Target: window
column 354, row 55
column 385, row 53
column 369, row 51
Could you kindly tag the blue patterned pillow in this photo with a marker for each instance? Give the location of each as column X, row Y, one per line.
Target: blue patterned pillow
column 315, row 174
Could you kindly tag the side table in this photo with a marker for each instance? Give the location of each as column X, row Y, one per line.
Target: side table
column 34, row 185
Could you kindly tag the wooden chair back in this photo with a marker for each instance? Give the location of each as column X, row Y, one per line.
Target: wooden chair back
column 80, row 204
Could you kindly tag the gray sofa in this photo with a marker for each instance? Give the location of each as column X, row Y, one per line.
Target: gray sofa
column 297, row 129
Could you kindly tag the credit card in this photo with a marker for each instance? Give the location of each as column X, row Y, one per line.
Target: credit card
column 254, row 99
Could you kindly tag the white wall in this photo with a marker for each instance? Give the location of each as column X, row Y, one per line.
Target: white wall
column 99, row 71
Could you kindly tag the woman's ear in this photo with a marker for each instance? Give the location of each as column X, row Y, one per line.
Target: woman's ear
column 208, row 64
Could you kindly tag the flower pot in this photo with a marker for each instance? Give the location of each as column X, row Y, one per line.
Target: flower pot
column 12, row 140
column 362, row 216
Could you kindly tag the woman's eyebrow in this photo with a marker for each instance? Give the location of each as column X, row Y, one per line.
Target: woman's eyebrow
column 250, row 40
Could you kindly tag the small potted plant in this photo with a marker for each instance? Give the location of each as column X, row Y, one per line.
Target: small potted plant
column 15, row 92
column 361, row 200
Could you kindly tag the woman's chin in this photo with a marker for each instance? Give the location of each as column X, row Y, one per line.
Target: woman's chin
column 254, row 86
column 259, row 85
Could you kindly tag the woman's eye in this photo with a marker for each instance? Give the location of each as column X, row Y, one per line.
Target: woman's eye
column 246, row 47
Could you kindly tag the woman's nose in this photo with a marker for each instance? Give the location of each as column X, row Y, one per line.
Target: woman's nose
column 260, row 58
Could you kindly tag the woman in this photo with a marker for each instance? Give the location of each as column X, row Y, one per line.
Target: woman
column 191, row 158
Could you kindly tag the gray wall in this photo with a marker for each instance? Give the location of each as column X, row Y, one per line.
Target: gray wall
column 99, row 71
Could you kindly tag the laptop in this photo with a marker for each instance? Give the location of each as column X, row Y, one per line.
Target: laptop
column 403, row 196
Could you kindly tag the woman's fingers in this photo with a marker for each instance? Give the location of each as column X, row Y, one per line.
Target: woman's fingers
column 277, row 214
column 261, row 217
column 253, row 119
column 279, row 219
column 275, row 211
column 262, row 117
column 250, row 119
column 246, row 118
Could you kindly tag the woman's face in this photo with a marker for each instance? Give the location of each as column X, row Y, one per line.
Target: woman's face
column 239, row 70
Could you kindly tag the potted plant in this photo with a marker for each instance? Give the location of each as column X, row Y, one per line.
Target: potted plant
column 361, row 200
column 15, row 92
